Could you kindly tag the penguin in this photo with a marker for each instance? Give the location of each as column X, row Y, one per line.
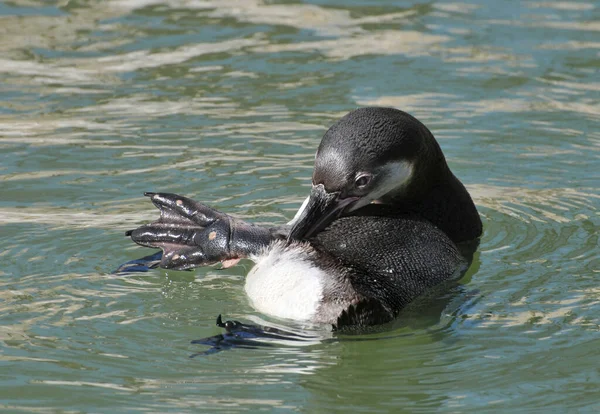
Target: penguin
column 385, row 221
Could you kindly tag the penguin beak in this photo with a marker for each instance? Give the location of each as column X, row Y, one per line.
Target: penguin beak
column 322, row 208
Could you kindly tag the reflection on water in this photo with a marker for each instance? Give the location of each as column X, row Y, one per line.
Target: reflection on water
column 226, row 102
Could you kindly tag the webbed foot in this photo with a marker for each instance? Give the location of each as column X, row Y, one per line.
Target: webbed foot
column 191, row 234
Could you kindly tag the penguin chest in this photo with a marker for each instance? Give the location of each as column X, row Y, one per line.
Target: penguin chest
column 285, row 283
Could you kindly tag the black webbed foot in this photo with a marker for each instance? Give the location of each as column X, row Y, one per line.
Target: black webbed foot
column 241, row 335
column 191, row 234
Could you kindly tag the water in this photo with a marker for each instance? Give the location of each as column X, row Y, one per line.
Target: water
column 226, row 101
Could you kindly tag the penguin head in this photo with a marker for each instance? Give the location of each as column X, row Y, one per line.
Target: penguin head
column 371, row 155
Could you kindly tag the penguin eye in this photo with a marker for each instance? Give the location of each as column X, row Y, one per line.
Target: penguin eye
column 362, row 181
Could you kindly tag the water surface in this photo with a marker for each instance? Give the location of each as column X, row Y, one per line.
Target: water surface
column 226, row 102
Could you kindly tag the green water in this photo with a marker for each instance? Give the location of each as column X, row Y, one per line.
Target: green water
column 225, row 101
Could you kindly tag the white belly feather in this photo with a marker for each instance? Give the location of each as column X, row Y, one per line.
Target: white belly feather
column 285, row 284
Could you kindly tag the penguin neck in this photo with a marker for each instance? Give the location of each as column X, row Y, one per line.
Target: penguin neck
column 449, row 207
column 445, row 203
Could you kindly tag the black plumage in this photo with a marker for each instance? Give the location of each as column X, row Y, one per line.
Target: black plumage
column 406, row 256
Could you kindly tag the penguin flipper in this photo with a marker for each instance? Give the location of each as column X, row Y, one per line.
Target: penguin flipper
column 246, row 336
